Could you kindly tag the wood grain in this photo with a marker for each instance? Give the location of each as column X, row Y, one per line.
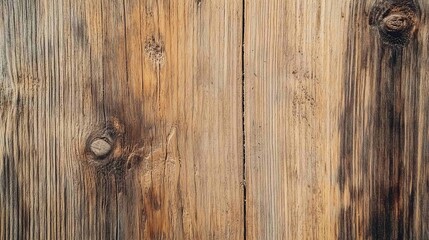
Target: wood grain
column 336, row 120
column 204, row 119
column 383, row 171
column 158, row 82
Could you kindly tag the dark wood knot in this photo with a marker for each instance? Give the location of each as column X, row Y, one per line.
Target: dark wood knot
column 396, row 22
column 104, row 146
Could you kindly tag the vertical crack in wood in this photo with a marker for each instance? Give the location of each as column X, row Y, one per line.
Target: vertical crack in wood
column 243, row 109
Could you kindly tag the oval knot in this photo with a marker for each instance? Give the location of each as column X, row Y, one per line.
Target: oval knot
column 396, row 23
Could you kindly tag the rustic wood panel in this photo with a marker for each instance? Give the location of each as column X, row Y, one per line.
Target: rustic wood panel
column 133, row 120
column 121, row 119
column 336, row 119
column 383, row 174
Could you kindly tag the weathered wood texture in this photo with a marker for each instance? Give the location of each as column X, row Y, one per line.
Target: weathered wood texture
column 121, row 119
column 132, row 119
column 293, row 88
column 336, row 119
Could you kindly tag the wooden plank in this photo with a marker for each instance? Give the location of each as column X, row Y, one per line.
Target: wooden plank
column 293, row 89
column 336, row 120
column 384, row 170
column 121, row 119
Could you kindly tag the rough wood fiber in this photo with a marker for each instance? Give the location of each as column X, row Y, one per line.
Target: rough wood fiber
column 121, row 119
column 293, row 87
column 383, row 173
column 336, row 119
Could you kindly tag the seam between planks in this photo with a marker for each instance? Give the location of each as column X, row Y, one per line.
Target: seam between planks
column 243, row 104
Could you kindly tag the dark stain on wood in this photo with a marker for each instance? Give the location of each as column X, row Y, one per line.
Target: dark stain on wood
column 80, row 31
column 388, row 144
column 11, row 191
column 376, row 176
column 397, row 21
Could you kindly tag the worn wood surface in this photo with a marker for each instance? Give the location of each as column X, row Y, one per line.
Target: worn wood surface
column 336, row 119
column 293, row 96
column 205, row 119
column 121, row 119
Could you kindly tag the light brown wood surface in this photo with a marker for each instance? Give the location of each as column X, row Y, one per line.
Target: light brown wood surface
column 207, row 119
column 336, row 119
column 158, row 80
column 294, row 67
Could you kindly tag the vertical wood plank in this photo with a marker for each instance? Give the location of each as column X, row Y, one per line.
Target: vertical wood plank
column 335, row 120
column 294, row 65
column 383, row 172
column 121, row 119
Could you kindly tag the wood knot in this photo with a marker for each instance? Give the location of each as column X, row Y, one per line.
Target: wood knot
column 104, row 145
column 396, row 22
column 100, row 147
